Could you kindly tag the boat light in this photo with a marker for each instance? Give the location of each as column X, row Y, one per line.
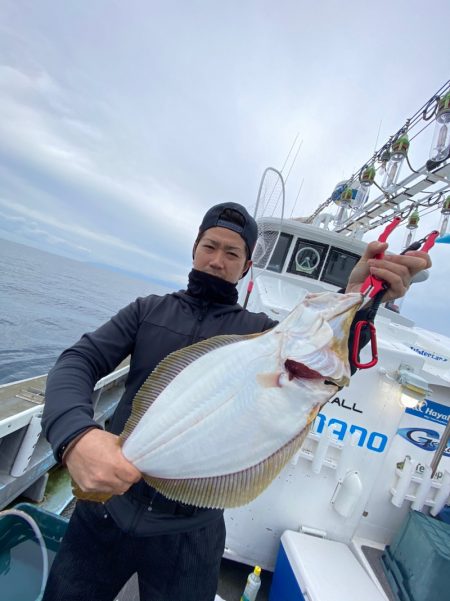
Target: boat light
column 353, row 195
column 367, row 176
column 337, row 192
column 415, row 389
column 384, row 160
column 399, row 150
column 445, row 214
column 346, row 196
column 411, row 226
column 440, row 147
column 342, row 196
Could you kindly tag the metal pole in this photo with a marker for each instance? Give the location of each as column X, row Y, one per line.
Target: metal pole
column 298, row 194
column 441, row 448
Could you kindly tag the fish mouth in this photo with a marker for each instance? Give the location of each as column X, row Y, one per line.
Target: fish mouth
column 344, row 381
column 297, row 370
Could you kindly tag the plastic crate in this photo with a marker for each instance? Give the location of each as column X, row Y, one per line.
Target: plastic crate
column 417, row 563
column 20, row 554
column 52, row 526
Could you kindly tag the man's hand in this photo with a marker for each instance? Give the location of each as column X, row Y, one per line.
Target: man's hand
column 396, row 270
column 96, row 463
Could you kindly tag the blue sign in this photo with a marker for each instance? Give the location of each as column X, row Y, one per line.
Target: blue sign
column 433, row 412
column 374, row 441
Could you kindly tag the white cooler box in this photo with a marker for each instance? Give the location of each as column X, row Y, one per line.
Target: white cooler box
column 316, row 569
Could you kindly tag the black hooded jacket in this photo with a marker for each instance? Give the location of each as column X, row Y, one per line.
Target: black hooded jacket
column 148, row 329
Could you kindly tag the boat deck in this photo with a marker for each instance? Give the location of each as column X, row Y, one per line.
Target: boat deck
column 373, row 556
column 233, row 576
column 25, row 455
column 231, row 583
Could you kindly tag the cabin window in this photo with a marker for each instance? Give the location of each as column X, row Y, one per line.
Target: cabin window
column 264, row 247
column 307, row 258
column 279, row 254
column 338, row 267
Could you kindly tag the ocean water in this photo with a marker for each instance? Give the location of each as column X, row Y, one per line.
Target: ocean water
column 47, row 302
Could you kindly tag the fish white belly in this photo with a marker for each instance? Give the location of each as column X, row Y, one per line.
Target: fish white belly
column 217, row 423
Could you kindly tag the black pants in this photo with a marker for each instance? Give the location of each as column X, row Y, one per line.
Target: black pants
column 96, row 559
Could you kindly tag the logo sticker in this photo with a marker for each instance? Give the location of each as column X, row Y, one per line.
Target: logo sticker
column 431, row 411
column 424, row 438
column 428, row 354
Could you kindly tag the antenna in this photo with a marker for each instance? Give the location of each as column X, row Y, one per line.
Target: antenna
column 378, row 135
column 298, row 195
column 289, row 153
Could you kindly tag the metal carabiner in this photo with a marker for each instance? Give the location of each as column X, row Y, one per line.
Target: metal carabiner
column 373, row 343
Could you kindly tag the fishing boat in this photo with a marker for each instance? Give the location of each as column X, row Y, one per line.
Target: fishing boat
column 377, row 455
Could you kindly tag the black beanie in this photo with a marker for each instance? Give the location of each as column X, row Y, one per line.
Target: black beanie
column 248, row 231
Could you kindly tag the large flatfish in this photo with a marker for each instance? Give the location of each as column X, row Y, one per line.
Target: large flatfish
column 216, row 422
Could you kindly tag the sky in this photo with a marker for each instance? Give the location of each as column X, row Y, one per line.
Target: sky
column 123, row 122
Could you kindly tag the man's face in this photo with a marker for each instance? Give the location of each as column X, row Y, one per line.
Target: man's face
column 221, row 252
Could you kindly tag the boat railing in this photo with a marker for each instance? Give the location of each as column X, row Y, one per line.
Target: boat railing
column 25, row 455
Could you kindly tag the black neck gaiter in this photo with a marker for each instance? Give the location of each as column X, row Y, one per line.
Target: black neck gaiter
column 211, row 288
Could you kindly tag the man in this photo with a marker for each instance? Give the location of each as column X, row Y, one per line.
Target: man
column 174, row 548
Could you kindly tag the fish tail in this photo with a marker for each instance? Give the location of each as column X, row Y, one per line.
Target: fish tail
column 97, row 497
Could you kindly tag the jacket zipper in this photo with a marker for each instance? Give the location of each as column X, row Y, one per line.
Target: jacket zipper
column 201, row 316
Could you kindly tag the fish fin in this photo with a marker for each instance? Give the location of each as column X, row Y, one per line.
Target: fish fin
column 168, row 369
column 231, row 490
column 81, row 495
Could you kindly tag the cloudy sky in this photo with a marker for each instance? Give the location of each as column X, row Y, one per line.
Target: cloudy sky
column 122, row 122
